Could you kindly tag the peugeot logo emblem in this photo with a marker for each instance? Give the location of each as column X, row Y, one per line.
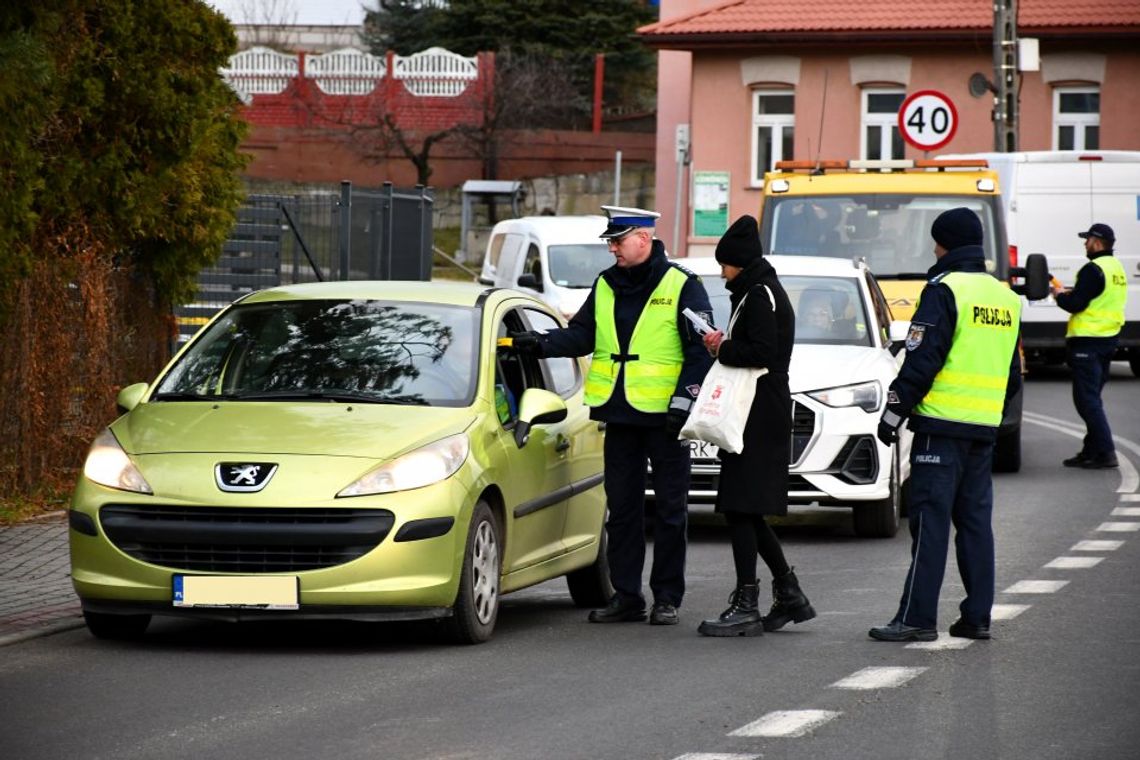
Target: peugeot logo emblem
column 243, row 477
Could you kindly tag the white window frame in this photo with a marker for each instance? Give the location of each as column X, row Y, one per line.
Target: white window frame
column 1078, row 121
column 887, row 122
column 778, row 123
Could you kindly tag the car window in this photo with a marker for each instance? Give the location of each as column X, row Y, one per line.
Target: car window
column 495, row 250
column 881, row 309
column 378, row 351
column 829, row 310
column 514, row 372
column 577, row 266
column 562, row 372
column 533, row 265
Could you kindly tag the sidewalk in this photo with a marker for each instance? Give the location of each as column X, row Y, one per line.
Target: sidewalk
column 36, row 597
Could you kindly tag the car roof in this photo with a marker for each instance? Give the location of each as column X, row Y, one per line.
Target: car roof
column 457, row 293
column 565, row 229
column 819, row 266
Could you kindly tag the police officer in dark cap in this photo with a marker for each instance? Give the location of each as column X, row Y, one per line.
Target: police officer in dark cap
column 647, row 367
column 1096, row 305
column 961, row 369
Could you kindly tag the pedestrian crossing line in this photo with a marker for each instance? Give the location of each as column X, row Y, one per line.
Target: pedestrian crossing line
column 1130, row 497
column 942, row 643
column 878, row 677
column 1126, row 512
column 788, row 723
column 1119, row 527
column 1096, row 546
column 1007, row 611
column 1035, row 587
column 715, row 756
column 1074, row 563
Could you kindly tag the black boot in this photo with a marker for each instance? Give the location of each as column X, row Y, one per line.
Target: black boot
column 742, row 618
column 788, row 603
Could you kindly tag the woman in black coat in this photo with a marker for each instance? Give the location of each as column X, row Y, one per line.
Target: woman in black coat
column 754, row 482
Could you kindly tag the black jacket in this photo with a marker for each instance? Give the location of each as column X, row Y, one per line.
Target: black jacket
column 931, row 334
column 632, row 288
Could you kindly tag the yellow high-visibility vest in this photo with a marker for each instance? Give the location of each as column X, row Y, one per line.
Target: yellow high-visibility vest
column 1104, row 316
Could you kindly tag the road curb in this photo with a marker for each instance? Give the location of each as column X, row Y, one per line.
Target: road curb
column 46, row 630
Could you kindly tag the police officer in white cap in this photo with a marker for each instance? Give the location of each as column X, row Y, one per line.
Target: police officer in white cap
column 647, row 367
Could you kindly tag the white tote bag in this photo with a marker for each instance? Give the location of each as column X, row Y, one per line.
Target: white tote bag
column 720, row 412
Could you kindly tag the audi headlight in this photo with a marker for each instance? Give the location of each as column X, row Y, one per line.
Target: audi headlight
column 416, row 469
column 866, row 396
column 108, row 465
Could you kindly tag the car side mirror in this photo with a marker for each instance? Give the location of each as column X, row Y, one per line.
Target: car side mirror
column 528, row 280
column 537, row 407
column 130, row 397
column 1034, row 275
column 897, row 333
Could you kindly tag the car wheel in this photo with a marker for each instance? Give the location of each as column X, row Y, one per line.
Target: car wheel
column 590, row 585
column 1134, row 361
column 880, row 519
column 116, row 627
column 477, row 603
column 1007, row 452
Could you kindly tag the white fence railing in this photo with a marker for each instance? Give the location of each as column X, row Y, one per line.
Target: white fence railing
column 434, row 72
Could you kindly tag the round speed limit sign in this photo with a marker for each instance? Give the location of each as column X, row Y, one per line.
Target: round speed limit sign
column 928, row 119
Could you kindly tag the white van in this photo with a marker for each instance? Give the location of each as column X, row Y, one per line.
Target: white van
column 1050, row 196
column 557, row 257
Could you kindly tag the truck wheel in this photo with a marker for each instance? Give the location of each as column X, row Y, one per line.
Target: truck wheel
column 1007, row 452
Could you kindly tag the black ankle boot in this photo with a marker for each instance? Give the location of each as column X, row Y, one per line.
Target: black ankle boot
column 788, row 603
column 742, row 618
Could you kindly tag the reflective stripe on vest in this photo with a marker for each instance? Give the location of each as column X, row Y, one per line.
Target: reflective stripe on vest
column 1104, row 316
column 653, row 363
column 971, row 385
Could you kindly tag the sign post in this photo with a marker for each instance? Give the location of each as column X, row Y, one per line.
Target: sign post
column 928, row 119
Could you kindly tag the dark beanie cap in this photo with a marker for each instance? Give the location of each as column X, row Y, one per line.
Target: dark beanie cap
column 740, row 244
column 956, row 228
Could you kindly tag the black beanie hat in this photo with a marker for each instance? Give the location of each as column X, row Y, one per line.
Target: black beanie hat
column 956, row 228
column 740, row 244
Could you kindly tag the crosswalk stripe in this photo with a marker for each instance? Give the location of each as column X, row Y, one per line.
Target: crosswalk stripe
column 1074, row 563
column 1130, row 497
column 1035, row 587
column 1126, row 512
column 942, row 643
column 1007, row 611
column 1119, row 527
column 1096, row 546
column 715, row 756
column 880, row 677
column 790, row 723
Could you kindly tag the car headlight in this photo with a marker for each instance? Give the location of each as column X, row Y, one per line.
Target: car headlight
column 416, row 469
column 866, row 396
column 108, row 465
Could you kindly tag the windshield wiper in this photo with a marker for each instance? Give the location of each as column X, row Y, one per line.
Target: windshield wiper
column 327, row 395
column 183, row 396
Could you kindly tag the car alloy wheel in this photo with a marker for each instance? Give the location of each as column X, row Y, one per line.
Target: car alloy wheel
column 477, row 602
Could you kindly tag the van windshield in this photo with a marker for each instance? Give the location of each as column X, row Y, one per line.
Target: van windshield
column 578, row 265
column 890, row 231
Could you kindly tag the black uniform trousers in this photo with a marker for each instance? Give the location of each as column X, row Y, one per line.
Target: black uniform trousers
column 1091, row 362
column 949, row 483
column 627, row 449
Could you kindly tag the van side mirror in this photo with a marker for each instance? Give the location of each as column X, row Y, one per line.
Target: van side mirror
column 528, row 280
column 1034, row 275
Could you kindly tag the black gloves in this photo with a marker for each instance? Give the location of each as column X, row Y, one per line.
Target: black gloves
column 887, row 433
column 675, row 420
column 526, row 343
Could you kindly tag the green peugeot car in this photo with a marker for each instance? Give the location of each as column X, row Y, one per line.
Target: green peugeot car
column 354, row 450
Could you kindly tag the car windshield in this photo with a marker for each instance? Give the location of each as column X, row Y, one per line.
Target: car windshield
column 829, row 310
column 891, row 232
column 332, row 350
column 577, row 266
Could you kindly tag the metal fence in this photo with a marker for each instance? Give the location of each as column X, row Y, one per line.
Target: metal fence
column 358, row 234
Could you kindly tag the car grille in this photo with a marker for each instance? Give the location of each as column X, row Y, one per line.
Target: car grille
column 803, row 426
column 857, row 462
column 242, row 540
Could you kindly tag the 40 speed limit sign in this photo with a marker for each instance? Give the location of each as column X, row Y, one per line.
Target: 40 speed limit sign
column 928, row 119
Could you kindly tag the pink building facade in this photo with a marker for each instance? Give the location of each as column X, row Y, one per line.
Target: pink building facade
column 760, row 81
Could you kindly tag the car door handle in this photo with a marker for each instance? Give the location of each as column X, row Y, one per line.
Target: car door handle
column 562, row 445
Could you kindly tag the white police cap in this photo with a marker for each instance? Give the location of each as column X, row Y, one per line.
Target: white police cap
column 623, row 221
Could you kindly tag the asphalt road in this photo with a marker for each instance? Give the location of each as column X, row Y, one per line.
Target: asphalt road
column 1061, row 678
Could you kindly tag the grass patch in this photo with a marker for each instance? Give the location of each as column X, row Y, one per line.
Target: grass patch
column 14, row 509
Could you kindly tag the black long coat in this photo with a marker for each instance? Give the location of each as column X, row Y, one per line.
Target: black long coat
column 755, row 481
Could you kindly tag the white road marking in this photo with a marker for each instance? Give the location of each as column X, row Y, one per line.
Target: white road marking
column 1096, row 546
column 1130, row 497
column 1126, row 512
column 886, row 677
column 1129, row 478
column 1074, row 563
column 1007, row 611
column 789, row 723
column 1035, row 587
column 715, row 756
column 941, row 643
column 1119, row 527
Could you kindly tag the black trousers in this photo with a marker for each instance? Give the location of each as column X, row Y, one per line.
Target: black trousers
column 628, row 449
column 1091, row 362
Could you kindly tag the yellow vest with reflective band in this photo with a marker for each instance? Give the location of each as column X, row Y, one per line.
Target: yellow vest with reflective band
column 1104, row 316
column 654, row 361
column 971, row 385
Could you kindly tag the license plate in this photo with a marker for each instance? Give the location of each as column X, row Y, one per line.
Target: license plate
column 702, row 450
column 268, row 592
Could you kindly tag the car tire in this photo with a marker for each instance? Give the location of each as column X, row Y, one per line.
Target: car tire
column 880, row 519
column 1134, row 361
column 477, row 604
column 116, row 627
column 590, row 585
column 1007, row 452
